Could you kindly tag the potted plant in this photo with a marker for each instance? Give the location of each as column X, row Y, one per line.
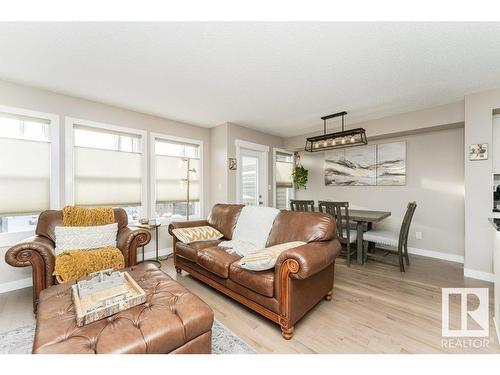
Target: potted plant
column 299, row 174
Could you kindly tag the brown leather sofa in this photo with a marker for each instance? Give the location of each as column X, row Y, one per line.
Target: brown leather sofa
column 38, row 251
column 303, row 276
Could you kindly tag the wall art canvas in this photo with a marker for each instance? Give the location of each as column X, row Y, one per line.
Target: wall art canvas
column 351, row 167
column 383, row 164
column 391, row 163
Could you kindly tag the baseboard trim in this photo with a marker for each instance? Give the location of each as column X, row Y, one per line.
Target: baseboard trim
column 151, row 254
column 480, row 275
column 27, row 282
column 436, row 254
column 431, row 254
column 16, row 284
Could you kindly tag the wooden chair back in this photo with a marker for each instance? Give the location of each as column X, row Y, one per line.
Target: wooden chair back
column 405, row 225
column 340, row 211
column 301, row 205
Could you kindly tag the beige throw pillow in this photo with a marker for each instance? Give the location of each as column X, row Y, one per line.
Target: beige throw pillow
column 194, row 234
column 265, row 259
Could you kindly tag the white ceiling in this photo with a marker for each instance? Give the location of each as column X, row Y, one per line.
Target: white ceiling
column 275, row 77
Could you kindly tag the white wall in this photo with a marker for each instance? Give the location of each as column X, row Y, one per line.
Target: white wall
column 479, row 109
column 15, row 95
column 223, row 147
column 219, row 164
column 434, row 179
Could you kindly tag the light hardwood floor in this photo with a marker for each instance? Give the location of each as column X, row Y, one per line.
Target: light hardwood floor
column 375, row 309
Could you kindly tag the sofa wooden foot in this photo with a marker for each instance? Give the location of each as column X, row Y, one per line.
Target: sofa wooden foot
column 329, row 295
column 178, row 270
column 287, row 333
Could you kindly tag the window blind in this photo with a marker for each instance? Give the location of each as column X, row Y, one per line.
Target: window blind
column 177, row 169
column 284, row 168
column 107, row 168
column 24, row 165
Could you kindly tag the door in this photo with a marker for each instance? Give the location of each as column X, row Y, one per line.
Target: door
column 252, row 177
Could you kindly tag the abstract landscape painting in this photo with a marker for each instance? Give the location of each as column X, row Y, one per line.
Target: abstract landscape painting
column 351, row 167
column 391, row 163
column 383, row 164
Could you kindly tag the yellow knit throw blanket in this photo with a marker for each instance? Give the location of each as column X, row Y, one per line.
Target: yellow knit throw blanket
column 72, row 265
column 74, row 216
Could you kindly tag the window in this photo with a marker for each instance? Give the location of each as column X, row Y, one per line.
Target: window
column 176, row 175
column 107, row 167
column 284, row 190
column 29, row 168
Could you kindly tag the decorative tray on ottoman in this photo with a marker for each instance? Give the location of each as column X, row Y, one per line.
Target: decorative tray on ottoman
column 103, row 294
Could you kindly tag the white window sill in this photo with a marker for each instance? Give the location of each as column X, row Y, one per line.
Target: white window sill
column 9, row 239
column 168, row 221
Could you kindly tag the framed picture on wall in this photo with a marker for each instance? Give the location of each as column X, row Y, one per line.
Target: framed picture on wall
column 478, row 151
column 232, row 164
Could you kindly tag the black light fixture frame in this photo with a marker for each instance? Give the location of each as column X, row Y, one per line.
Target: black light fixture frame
column 323, row 139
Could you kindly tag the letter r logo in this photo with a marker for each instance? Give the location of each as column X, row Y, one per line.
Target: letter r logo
column 480, row 314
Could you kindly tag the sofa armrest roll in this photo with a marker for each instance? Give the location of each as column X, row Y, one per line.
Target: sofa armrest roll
column 37, row 252
column 128, row 240
column 310, row 258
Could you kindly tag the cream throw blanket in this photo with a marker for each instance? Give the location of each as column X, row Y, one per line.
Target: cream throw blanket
column 252, row 230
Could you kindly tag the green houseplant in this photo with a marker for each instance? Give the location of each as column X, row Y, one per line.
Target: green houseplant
column 299, row 174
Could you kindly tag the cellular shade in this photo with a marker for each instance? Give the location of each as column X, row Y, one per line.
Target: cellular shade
column 105, row 177
column 171, row 179
column 284, row 174
column 24, row 176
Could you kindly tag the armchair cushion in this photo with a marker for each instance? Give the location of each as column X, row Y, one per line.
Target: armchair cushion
column 312, row 257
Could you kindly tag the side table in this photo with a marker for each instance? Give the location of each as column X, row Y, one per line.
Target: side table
column 151, row 227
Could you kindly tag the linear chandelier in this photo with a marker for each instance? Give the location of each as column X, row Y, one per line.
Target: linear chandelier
column 342, row 139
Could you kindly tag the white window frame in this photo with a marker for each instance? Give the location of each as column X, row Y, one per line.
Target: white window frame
column 69, row 181
column 264, row 150
column 275, row 151
column 10, row 238
column 152, row 162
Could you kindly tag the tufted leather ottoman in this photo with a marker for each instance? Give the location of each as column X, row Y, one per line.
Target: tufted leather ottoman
column 172, row 320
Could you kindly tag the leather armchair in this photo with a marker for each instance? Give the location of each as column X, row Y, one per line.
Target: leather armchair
column 38, row 251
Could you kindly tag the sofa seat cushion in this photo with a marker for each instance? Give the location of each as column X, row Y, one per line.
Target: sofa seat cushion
column 261, row 282
column 190, row 251
column 216, row 260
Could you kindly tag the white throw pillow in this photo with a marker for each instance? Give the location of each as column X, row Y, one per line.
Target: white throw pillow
column 85, row 238
column 265, row 259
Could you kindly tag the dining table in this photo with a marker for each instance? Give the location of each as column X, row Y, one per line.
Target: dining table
column 364, row 219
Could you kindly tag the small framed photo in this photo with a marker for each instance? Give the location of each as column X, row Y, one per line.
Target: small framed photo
column 232, row 164
column 478, row 151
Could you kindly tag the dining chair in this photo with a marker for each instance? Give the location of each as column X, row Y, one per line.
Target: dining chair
column 346, row 235
column 298, row 205
column 391, row 239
